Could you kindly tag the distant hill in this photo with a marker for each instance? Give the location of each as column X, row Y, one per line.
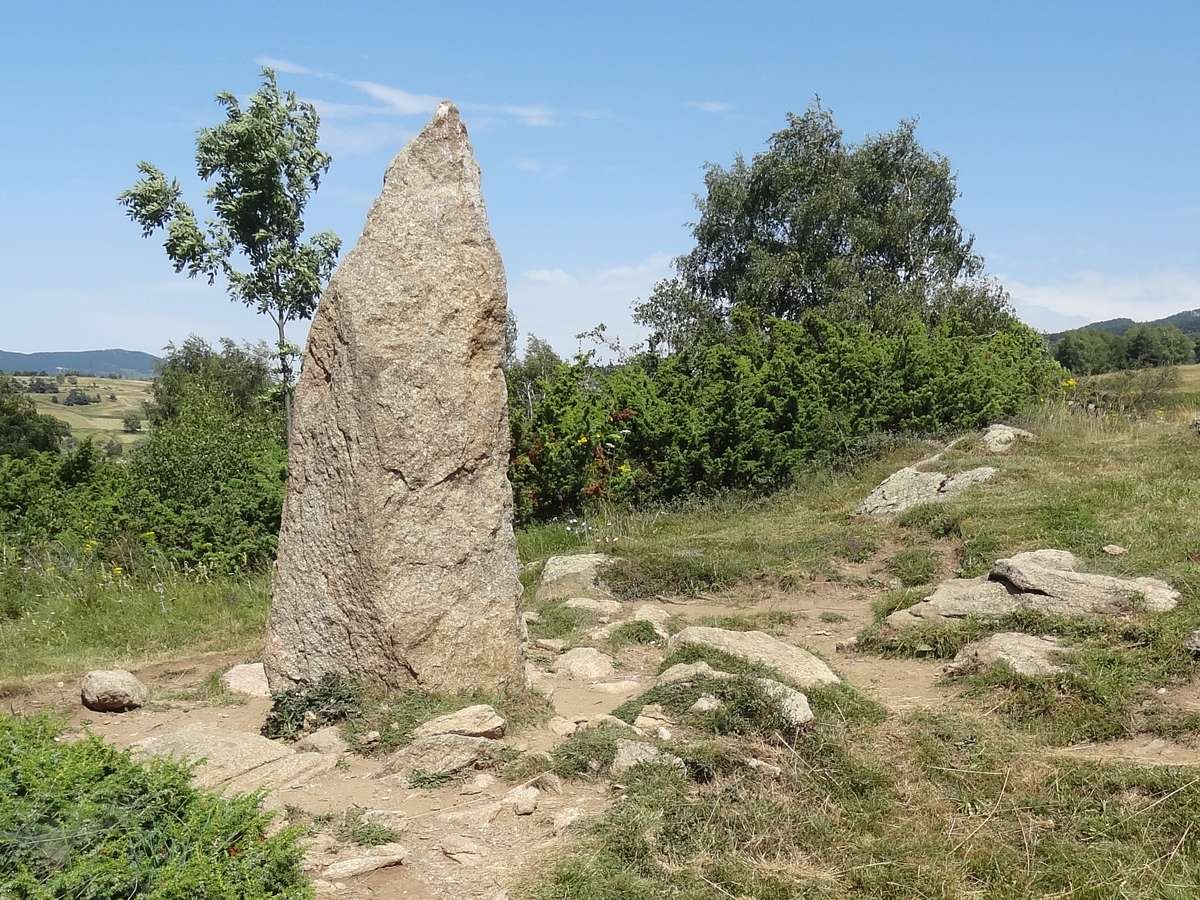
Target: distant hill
column 127, row 363
column 1187, row 321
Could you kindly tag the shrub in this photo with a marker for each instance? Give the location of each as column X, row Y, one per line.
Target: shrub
column 82, row 819
column 332, row 699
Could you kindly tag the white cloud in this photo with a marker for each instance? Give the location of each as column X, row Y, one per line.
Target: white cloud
column 536, row 115
column 538, row 167
column 358, row 140
column 556, row 303
column 711, row 106
column 1095, row 296
column 396, row 99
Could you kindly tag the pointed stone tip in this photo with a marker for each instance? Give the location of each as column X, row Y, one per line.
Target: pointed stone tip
column 445, row 108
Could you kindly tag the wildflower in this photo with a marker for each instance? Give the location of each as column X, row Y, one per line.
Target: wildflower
column 625, row 468
column 583, row 439
column 117, row 570
column 1070, row 384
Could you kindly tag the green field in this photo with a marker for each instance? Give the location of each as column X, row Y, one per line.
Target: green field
column 102, row 420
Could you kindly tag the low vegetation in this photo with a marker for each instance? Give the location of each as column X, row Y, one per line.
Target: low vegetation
column 82, row 819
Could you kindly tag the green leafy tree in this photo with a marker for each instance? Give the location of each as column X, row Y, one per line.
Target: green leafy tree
column 240, row 373
column 263, row 164
column 23, row 430
column 814, row 222
column 132, row 423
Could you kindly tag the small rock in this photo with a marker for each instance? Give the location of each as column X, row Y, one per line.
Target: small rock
column 562, row 727
column 478, row 784
column 530, row 618
column 690, row 672
column 472, row 721
column 611, row 721
column 461, row 849
column 585, row 664
column 656, row 616
column 794, row 663
column 522, row 800
column 1000, row 438
column 573, row 576
column 547, row 783
column 1115, row 550
column 369, row 738
column 538, row 681
column 653, row 718
column 764, row 767
column 381, row 857
column 324, row 740
column 705, row 703
column 1192, row 643
column 112, row 690
column 633, row 753
column 441, row 754
column 1025, row 654
column 792, row 704
column 555, row 645
column 565, row 818
column 592, row 604
column 248, row 679
column 911, row 487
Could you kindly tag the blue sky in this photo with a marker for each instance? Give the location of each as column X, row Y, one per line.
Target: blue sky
column 1073, row 129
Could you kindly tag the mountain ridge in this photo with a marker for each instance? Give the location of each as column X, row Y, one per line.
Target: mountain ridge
column 1187, row 321
column 112, row 361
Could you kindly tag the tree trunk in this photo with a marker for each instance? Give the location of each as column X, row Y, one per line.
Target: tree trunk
column 285, row 376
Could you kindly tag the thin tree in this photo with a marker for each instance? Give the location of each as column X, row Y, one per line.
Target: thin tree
column 263, row 164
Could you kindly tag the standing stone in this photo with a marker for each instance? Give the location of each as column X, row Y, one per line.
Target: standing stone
column 397, row 562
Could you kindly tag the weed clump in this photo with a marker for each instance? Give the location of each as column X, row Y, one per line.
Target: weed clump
column 334, row 698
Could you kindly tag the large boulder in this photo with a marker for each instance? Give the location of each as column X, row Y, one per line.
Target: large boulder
column 112, row 690
column 1047, row 581
column 397, row 562
column 912, row 487
column 799, row 666
column 574, row 576
column 1025, row 654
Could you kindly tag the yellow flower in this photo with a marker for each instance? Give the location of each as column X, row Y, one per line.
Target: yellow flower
column 1070, row 384
column 583, row 439
column 117, row 570
column 625, row 468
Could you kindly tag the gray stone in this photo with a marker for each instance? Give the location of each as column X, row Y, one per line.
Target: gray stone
column 634, row 753
column 911, row 487
column 599, row 606
column 523, row 801
column 112, row 690
column 584, row 664
column 1192, row 643
column 1001, row 438
column 1114, row 549
column 1044, row 580
column 574, row 576
column 461, row 849
column 236, row 761
column 690, row 672
column 565, row 818
column 1025, row 654
column 382, row 857
column 705, row 703
column 397, row 562
column 623, row 686
column 473, row 721
column 441, row 754
column 554, row 645
column 793, row 705
column 325, row 740
column 248, row 679
column 655, row 615
column 799, row 666
column 654, row 718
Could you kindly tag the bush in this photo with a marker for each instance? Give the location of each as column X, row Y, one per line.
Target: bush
column 333, row 699
column 748, row 408
column 81, row 819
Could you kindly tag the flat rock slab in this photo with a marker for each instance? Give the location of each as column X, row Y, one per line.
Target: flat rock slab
column 911, row 487
column 1001, row 438
column 236, row 761
column 441, row 754
column 1048, row 581
column 799, row 666
column 574, row 577
column 634, row 753
column 381, row 857
column 585, row 664
column 480, row 720
column 1025, row 654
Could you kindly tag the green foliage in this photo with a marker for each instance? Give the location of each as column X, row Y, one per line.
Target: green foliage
column 749, row 409
column 81, row 819
column 556, row 620
column 588, row 752
column 23, row 430
column 263, row 163
column 241, row 374
column 638, row 631
column 334, row 698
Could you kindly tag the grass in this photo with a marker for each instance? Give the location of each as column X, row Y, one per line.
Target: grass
column 636, row 632
column 348, row 826
column 63, row 615
column 772, row 621
column 914, row 566
column 557, row 620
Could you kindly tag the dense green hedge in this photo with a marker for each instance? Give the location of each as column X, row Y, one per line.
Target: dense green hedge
column 746, row 411
column 81, row 819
